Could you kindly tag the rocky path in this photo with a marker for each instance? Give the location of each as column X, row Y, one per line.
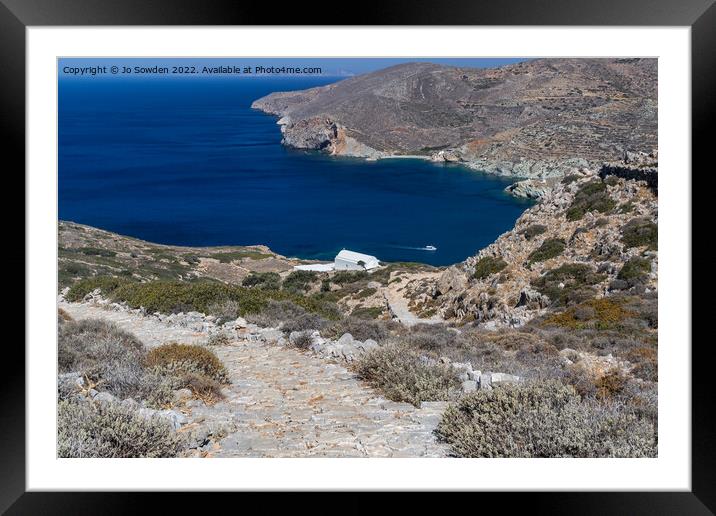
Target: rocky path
column 398, row 306
column 285, row 403
column 151, row 332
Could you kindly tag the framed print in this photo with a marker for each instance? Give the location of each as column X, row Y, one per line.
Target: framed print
column 408, row 251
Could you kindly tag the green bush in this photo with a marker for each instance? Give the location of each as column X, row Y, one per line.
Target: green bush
column 176, row 296
column 200, row 296
column 545, row 419
column 96, row 251
column 366, row 292
column 106, row 284
column 68, row 271
column 187, row 358
column 569, row 179
column 640, row 232
column 611, row 180
column 627, row 207
column 344, row 277
column 532, row 231
column 487, row 266
column 267, row 280
column 96, row 430
column 299, row 281
column 400, row 375
column 549, row 249
column 367, row 312
column 635, row 270
column 577, row 280
column 592, row 196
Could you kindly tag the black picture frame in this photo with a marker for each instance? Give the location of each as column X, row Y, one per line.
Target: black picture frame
column 17, row 15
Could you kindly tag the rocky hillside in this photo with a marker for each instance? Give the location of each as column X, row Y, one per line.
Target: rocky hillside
column 593, row 235
column 539, row 118
column 85, row 251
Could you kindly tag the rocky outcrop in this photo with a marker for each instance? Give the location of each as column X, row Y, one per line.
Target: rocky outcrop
column 511, row 296
column 535, row 119
column 531, row 188
column 325, row 135
column 636, row 166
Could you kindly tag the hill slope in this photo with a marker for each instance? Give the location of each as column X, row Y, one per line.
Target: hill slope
column 537, row 118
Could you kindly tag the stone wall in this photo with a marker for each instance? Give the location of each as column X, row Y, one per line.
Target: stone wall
column 649, row 174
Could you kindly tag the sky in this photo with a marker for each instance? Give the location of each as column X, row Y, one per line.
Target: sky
column 78, row 67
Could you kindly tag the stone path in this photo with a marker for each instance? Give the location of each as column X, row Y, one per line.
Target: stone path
column 150, row 331
column 398, row 306
column 285, row 403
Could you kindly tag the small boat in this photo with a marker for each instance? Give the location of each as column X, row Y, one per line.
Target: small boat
column 430, row 248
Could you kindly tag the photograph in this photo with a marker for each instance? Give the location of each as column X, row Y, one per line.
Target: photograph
column 357, row 257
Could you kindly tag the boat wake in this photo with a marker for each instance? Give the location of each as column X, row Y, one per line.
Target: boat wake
column 424, row 248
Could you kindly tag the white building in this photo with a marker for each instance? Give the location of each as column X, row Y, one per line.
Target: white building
column 344, row 261
column 352, row 261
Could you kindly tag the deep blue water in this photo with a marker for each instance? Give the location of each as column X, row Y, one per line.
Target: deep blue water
column 187, row 162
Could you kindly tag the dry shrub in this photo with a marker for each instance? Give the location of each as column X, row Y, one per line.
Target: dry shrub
column 602, row 313
column 303, row 340
column 189, row 359
column 202, row 387
column 224, row 311
column 401, row 374
column 218, row 339
column 110, row 358
column 86, row 429
column 288, row 316
column 645, row 362
column 431, row 337
column 513, row 340
column 610, row 384
column 63, row 316
column 361, row 329
column 532, row 231
column 545, row 419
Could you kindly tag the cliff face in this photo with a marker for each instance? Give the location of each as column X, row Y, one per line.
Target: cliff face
column 538, row 118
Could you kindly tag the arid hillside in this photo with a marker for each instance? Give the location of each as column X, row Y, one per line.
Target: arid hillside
column 537, row 118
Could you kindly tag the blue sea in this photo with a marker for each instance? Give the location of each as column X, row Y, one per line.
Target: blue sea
column 186, row 161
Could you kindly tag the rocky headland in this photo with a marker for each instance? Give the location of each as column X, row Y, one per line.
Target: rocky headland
column 535, row 119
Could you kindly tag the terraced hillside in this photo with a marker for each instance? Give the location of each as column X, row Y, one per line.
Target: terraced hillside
column 537, row 118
